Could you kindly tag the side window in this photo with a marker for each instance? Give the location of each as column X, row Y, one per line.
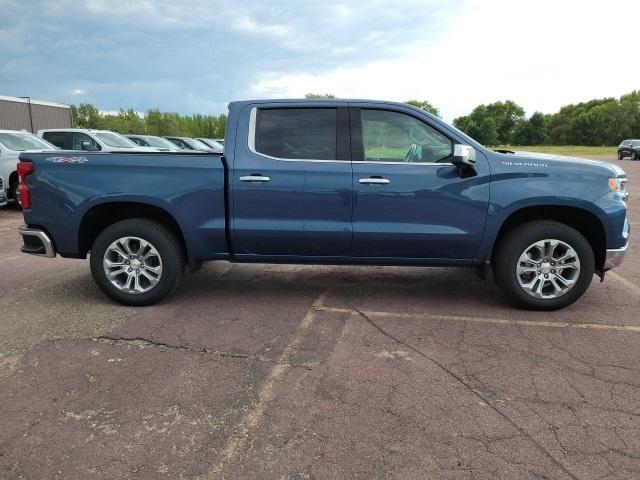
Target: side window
column 79, row 137
column 297, row 133
column 137, row 140
column 389, row 136
column 59, row 139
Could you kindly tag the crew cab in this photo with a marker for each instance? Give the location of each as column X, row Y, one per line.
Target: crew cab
column 12, row 142
column 90, row 140
column 330, row 182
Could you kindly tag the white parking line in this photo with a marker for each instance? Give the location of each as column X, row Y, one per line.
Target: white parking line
column 11, row 258
column 498, row 321
column 253, row 416
column 627, row 283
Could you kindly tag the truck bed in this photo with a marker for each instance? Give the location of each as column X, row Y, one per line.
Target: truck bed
column 71, row 186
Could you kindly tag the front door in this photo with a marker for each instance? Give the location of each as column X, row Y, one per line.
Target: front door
column 410, row 202
column 292, row 183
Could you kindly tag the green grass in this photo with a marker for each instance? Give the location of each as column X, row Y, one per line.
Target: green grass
column 385, row 152
column 571, row 150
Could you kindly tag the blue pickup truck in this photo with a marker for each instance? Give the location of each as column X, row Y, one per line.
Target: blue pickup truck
column 329, row 182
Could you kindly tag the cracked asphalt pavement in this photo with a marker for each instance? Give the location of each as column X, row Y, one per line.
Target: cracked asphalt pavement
column 315, row 372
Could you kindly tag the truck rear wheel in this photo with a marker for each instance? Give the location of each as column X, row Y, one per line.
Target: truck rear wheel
column 544, row 265
column 137, row 262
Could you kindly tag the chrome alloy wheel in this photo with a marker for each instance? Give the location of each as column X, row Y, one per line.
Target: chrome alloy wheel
column 548, row 269
column 132, row 265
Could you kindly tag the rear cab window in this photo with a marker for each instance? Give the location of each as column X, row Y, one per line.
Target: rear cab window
column 297, row 133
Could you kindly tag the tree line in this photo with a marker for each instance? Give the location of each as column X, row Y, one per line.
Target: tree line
column 153, row 122
column 604, row 121
column 598, row 122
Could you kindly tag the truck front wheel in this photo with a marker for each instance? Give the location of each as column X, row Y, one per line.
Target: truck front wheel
column 137, row 262
column 543, row 265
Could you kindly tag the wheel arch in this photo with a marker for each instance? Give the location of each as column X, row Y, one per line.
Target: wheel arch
column 100, row 216
column 13, row 179
column 584, row 221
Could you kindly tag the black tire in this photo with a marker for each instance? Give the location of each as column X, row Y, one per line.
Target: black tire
column 14, row 195
column 515, row 242
column 163, row 240
column 620, row 156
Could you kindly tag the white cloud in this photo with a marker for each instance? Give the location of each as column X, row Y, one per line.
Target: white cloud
column 78, row 91
column 541, row 55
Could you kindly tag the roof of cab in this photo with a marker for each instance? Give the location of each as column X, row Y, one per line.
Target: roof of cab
column 316, row 101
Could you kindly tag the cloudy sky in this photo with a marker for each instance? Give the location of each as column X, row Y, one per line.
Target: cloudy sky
column 197, row 55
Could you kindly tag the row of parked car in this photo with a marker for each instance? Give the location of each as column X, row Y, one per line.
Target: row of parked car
column 12, row 142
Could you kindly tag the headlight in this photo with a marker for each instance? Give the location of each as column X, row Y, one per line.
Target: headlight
column 619, row 185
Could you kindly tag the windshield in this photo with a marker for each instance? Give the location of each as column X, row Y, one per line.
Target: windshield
column 213, row 143
column 24, row 141
column 160, row 142
column 112, row 139
column 196, row 144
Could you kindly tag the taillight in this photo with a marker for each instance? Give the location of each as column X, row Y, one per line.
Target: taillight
column 24, row 169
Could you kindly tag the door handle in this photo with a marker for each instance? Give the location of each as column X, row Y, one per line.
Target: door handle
column 254, row 178
column 374, row 181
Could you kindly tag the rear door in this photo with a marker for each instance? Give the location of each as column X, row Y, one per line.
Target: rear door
column 291, row 181
column 409, row 200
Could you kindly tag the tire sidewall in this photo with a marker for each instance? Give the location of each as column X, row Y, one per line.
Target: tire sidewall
column 163, row 241
column 513, row 246
column 15, row 194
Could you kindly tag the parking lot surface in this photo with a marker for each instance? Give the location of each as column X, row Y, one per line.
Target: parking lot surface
column 308, row 372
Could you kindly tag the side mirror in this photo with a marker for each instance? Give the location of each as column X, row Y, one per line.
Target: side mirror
column 464, row 157
column 89, row 146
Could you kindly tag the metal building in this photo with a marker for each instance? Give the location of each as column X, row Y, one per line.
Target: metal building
column 22, row 113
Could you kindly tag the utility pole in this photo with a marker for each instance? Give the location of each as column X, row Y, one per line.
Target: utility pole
column 30, row 113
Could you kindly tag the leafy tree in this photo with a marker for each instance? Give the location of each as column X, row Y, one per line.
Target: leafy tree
column 531, row 131
column 426, row 106
column 154, row 122
column 483, row 129
column 86, row 116
column 504, row 115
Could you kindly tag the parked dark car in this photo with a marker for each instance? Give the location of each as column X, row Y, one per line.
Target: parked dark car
column 629, row 148
column 213, row 144
column 151, row 141
column 186, row 143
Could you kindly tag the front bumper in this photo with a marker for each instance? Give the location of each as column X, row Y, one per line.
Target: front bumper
column 36, row 242
column 614, row 257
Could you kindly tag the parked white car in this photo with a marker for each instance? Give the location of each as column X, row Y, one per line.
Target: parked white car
column 12, row 142
column 90, row 140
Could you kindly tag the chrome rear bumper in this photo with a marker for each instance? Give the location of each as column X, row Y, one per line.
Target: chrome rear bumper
column 36, row 242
